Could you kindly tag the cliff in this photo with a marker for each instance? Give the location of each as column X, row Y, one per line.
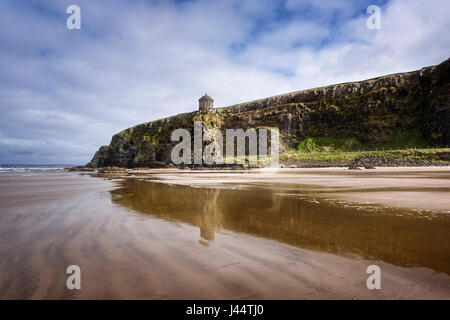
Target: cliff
column 373, row 112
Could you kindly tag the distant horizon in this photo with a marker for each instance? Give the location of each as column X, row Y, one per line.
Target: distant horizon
column 40, row 164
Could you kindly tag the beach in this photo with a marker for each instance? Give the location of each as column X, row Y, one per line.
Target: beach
column 271, row 234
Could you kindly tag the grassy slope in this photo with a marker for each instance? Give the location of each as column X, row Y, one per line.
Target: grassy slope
column 438, row 155
column 408, row 146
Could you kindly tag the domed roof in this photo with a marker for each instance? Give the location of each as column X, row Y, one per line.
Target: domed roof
column 206, row 97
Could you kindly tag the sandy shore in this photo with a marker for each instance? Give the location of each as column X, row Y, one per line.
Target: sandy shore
column 50, row 222
column 421, row 188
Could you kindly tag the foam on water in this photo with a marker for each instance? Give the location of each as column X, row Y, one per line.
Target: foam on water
column 19, row 170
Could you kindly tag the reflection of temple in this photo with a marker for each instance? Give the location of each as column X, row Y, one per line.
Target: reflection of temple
column 209, row 219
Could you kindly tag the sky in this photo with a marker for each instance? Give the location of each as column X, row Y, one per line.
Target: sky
column 64, row 93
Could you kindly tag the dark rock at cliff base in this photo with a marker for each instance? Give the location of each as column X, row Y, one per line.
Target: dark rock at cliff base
column 370, row 162
column 112, row 170
column 81, row 169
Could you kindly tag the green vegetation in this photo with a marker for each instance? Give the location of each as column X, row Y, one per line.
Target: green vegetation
column 438, row 155
column 327, row 144
column 410, row 139
column 408, row 145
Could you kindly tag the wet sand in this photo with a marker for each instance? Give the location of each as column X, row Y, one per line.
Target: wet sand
column 239, row 239
column 421, row 188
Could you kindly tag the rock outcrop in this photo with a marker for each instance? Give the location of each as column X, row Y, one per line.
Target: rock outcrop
column 372, row 111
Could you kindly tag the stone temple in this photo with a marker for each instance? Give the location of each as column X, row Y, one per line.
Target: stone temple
column 205, row 103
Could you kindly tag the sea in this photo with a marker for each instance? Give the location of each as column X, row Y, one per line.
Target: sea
column 22, row 169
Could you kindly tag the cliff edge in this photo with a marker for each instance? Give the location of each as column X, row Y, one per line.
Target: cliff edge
column 373, row 111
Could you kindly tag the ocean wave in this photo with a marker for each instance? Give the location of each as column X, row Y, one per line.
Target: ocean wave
column 20, row 169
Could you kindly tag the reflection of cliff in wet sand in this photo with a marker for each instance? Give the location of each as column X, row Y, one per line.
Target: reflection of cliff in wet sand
column 397, row 187
column 397, row 236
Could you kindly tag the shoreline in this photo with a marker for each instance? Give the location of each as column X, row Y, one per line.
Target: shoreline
column 144, row 170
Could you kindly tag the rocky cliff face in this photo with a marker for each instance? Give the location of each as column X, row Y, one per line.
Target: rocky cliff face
column 372, row 111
